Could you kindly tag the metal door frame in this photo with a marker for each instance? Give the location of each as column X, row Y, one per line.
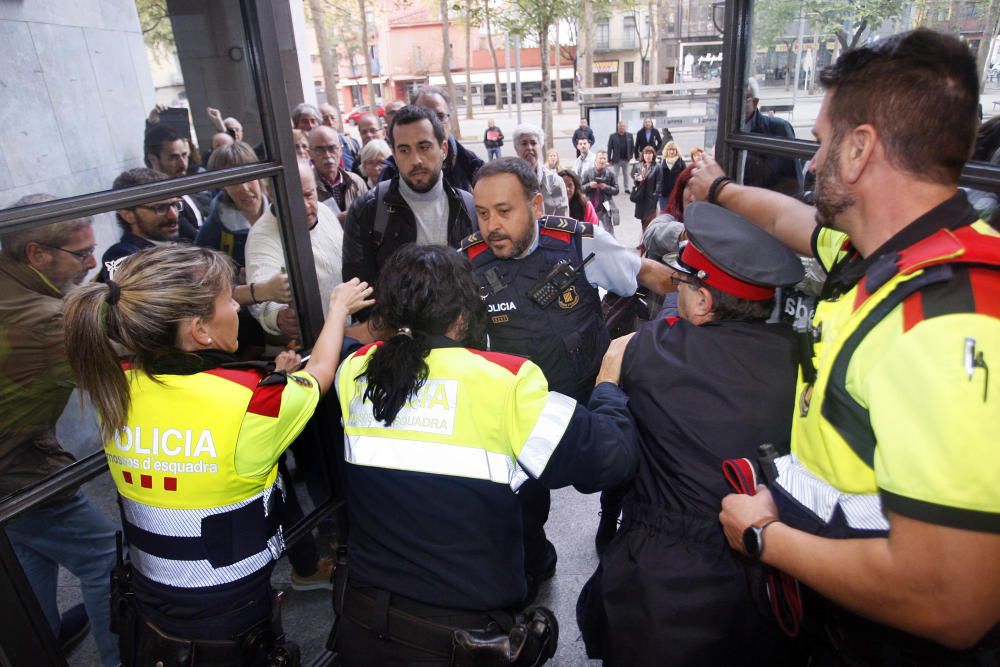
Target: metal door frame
column 25, row 637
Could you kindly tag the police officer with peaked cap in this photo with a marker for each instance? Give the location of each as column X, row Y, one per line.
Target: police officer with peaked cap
column 710, row 385
column 512, row 254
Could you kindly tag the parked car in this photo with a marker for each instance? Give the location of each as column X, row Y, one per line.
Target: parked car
column 353, row 117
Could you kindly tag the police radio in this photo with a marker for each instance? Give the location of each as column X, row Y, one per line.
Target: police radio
column 562, row 275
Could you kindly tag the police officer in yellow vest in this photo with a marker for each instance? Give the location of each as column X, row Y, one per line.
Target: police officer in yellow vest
column 192, row 442
column 888, row 508
column 439, row 435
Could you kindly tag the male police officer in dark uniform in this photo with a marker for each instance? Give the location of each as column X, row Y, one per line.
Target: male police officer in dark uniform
column 513, row 253
column 711, row 385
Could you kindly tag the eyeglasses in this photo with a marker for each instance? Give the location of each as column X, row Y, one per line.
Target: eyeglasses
column 164, row 209
column 82, row 255
column 676, row 280
column 323, row 150
column 442, row 116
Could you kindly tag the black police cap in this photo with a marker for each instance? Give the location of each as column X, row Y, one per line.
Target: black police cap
column 739, row 247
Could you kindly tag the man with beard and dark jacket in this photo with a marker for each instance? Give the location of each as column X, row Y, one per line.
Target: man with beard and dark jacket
column 773, row 172
column 169, row 153
column 708, row 386
column 583, row 132
column 621, row 146
column 418, row 205
column 460, row 164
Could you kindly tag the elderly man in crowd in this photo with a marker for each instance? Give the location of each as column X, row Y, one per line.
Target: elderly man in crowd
column 338, row 188
column 37, row 268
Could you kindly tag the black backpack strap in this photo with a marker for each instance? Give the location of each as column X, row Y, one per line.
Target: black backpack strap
column 381, row 213
column 470, row 205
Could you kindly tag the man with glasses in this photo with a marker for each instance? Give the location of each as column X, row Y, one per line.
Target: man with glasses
column 461, row 164
column 142, row 225
column 708, row 386
column 338, row 188
column 348, row 145
column 38, row 267
column 169, row 153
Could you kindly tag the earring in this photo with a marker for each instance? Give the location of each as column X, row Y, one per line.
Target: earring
column 209, row 340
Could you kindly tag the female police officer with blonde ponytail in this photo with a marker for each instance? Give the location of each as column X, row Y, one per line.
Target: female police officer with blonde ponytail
column 193, row 442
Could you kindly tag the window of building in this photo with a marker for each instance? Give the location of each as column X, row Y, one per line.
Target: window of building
column 628, row 32
column 603, row 34
column 629, row 71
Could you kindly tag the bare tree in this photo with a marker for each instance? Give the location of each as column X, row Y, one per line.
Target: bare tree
column 586, row 37
column 327, row 53
column 558, row 53
column 468, row 58
column 493, row 55
column 446, row 67
column 366, row 45
column 536, row 18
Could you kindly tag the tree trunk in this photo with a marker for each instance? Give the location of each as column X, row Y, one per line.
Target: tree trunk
column 986, row 43
column 558, row 52
column 790, row 67
column 327, row 54
column 493, row 55
column 468, row 59
column 588, row 38
column 654, row 42
column 456, row 130
column 543, row 49
column 365, row 39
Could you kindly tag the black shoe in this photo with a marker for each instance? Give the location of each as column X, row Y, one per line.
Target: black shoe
column 627, row 191
column 73, row 627
column 606, row 531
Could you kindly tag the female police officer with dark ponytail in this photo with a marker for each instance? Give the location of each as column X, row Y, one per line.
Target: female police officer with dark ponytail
column 193, row 442
column 439, row 435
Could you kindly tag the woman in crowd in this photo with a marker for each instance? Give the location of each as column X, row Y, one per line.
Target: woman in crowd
column 373, row 156
column 198, row 492
column 552, row 160
column 580, row 207
column 431, row 472
column 233, row 212
column 235, row 208
column 301, row 144
column 646, row 190
column 672, row 165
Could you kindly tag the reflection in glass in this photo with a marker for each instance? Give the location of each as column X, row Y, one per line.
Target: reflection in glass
column 95, row 93
column 38, row 266
column 793, row 40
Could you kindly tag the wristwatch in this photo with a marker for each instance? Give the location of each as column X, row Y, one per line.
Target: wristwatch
column 753, row 536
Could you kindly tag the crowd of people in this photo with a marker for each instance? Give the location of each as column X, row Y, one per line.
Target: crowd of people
column 468, row 346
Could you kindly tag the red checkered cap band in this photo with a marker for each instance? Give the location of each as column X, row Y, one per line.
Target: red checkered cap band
column 720, row 280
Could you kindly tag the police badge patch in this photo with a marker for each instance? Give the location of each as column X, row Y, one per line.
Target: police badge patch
column 569, row 298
